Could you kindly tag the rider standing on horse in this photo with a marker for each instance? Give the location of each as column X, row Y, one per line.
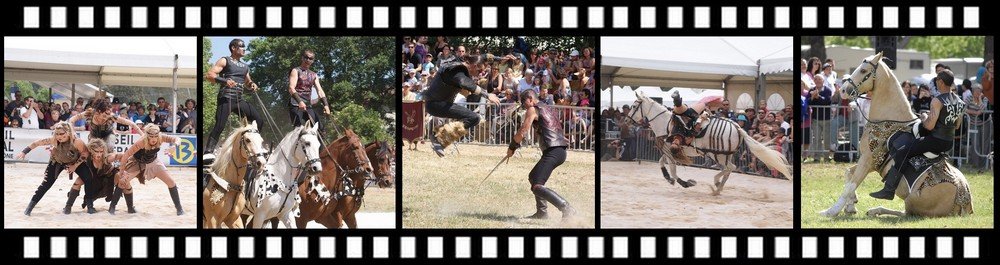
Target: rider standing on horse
column 945, row 117
column 455, row 75
column 548, row 127
column 233, row 76
column 689, row 116
column 300, row 84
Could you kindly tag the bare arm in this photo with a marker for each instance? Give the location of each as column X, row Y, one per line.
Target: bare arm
column 77, row 117
column 213, row 73
column 131, row 151
column 932, row 118
column 529, row 116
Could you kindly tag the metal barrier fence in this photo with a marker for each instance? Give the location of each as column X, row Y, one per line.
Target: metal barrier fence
column 643, row 147
column 845, row 126
column 501, row 124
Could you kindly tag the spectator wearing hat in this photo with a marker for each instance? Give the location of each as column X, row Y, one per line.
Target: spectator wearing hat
column 428, row 64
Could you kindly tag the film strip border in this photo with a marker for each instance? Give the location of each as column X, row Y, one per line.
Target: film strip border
column 737, row 16
column 508, row 247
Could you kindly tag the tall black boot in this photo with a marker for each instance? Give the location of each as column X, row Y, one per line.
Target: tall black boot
column 72, row 199
column 90, row 205
column 115, row 196
column 556, row 200
column 128, row 203
column 891, row 182
column 31, row 205
column 177, row 200
column 541, row 209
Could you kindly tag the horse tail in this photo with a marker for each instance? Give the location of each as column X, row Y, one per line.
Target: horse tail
column 772, row 158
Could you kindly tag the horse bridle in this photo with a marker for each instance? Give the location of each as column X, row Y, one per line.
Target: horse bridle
column 643, row 113
column 298, row 143
column 247, row 152
column 855, row 93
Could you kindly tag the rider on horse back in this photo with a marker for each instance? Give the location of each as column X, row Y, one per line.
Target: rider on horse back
column 944, row 118
column 687, row 118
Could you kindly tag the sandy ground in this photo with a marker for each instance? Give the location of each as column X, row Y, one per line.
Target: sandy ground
column 450, row 192
column 366, row 220
column 637, row 196
column 152, row 201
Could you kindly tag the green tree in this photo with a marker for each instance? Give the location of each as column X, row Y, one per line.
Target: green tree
column 353, row 71
column 937, row 46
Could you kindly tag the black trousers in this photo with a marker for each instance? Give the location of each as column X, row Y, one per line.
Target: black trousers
column 299, row 116
column 918, row 147
column 226, row 107
column 445, row 109
column 551, row 158
column 52, row 171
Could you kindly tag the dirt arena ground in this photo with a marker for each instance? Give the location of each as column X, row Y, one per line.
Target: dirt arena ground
column 637, row 196
column 152, row 201
column 446, row 192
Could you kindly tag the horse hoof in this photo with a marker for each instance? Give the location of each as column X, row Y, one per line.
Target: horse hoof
column 827, row 213
column 871, row 213
column 850, row 212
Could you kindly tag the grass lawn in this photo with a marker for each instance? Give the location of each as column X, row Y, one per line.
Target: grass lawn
column 822, row 184
column 446, row 192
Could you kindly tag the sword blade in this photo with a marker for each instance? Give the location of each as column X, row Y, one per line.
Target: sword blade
column 494, row 170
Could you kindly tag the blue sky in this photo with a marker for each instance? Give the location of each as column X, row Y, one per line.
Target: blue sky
column 220, row 46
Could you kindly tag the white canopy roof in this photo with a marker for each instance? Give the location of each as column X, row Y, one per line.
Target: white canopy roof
column 698, row 62
column 129, row 61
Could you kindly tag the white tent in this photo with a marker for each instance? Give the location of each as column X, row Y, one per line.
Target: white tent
column 695, row 62
column 165, row 62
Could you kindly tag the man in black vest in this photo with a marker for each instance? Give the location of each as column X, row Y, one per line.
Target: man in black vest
column 945, row 116
column 456, row 75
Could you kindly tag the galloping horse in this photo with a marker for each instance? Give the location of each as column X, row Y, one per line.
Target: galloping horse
column 940, row 190
column 720, row 140
column 222, row 197
column 274, row 193
column 333, row 197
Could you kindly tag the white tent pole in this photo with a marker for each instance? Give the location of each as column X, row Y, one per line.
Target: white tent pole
column 173, row 84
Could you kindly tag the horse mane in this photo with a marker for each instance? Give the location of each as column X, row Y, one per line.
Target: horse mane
column 226, row 151
column 891, row 82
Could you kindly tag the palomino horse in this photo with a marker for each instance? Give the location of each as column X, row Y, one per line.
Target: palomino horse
column 939, row 191
column 222, row 198
column 332, row 197
column 383, row 159
column 273, row 193
column 720, row 140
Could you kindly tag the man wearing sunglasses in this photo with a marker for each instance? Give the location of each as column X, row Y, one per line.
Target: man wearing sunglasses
column 301, row 81
column 233, row 76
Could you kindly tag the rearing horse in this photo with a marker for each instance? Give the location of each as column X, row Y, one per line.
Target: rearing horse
column 720, row 140
column 941, row 190
column 325, row 197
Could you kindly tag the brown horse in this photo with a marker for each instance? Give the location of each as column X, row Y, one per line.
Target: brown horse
column 333, row 197
column 383, row 158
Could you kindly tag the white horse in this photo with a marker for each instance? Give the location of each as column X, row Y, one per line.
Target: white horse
column 940, row 191
column 722, row 138
column 274, row 192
